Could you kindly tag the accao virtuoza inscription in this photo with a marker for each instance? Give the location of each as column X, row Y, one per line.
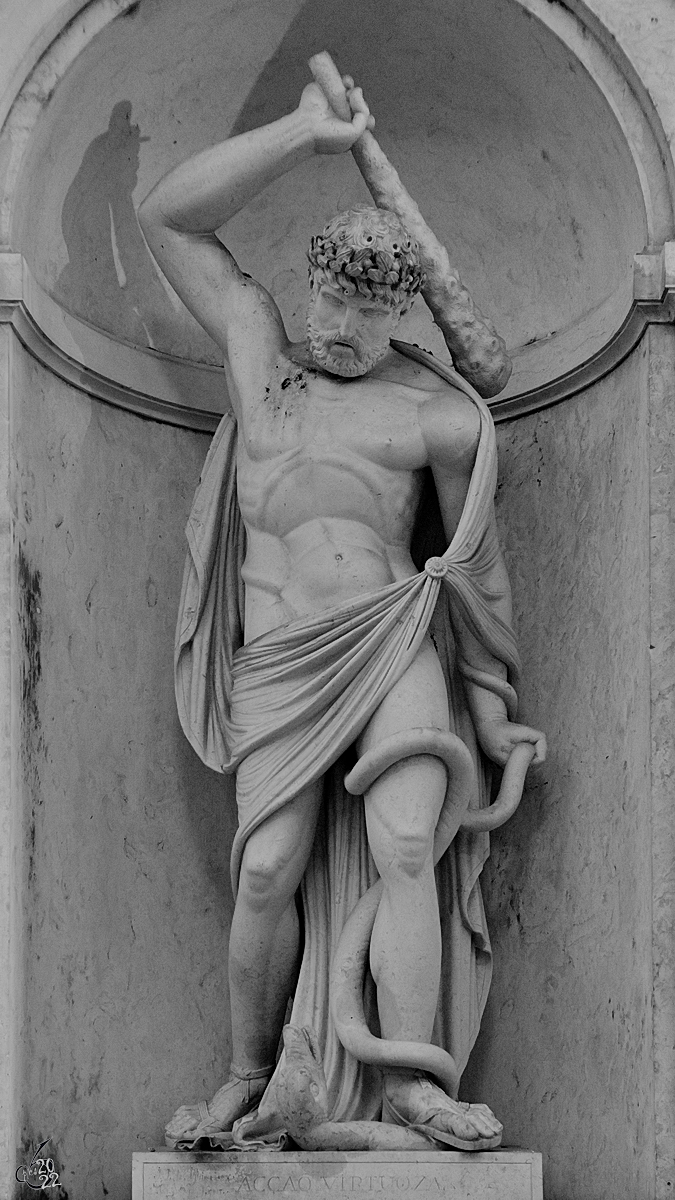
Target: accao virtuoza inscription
column 162, row 1182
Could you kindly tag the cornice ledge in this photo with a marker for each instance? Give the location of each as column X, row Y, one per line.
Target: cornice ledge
column 654, row 304
column 641, row 315
column 101, row 387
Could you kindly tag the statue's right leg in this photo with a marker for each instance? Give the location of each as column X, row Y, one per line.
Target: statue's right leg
column 263, row 960
column 265, row 931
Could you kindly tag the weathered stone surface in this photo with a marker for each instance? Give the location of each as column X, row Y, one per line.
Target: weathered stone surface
column 565, row 1055
column 512, row 166
column 594, row 1078
column 502, row 1174
column 662, row 610
column 124, row 836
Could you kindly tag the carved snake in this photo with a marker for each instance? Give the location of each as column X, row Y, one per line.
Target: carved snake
column 351, row 956
column 300, row 1087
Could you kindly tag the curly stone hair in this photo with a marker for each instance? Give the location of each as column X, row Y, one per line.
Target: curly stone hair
column 367, row 250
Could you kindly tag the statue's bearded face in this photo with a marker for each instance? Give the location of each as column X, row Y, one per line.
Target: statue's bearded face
column 348, row 335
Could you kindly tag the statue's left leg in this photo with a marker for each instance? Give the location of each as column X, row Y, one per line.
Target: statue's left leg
column 402, row 809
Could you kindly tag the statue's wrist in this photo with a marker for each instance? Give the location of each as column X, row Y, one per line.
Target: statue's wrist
column 485, row 724
column 301, row 134
column 487, row 709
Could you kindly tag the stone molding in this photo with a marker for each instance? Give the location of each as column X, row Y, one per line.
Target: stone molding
column 19, row 116
column 162, row 387
column 584, row 33
column 146, row 382
column 72, row 25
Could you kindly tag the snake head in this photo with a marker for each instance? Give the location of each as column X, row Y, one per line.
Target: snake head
column 301, row 1084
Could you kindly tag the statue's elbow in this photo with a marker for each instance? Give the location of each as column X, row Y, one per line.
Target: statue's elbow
column 153, row 225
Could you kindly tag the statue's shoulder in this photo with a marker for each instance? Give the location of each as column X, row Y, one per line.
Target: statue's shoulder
column 448, row 418
column 450, row 423
column 428, row 376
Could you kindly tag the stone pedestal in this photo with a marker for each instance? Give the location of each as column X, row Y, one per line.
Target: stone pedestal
column 452, row 1175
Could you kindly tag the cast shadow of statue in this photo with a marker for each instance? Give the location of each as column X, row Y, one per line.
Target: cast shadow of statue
column 367, row 55
column 110, row 280
column 389, row 71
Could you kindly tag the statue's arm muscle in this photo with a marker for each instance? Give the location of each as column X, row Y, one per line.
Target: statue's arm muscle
column 181, row 215
column 180, row 218
column 450, row 427
column 233, row 308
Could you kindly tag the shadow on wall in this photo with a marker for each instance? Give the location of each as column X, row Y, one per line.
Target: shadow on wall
column 357, row 44
column 499, row 169
column 108, row 262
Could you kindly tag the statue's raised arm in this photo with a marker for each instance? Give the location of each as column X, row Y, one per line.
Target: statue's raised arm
column 479, row 353
column 180, row 216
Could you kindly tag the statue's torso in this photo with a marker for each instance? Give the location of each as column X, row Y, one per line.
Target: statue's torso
column 329, row 478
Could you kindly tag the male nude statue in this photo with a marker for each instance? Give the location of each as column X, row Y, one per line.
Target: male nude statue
column 334, row 435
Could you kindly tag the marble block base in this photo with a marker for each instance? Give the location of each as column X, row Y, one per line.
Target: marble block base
column 451, row 1175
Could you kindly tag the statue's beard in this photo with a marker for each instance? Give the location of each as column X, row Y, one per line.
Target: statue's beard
column 365, row 357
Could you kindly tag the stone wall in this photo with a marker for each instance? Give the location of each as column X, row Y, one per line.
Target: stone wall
column 510, row 148
column 125, row 872
column 116, row 901
column 126, row 836
column 565, row 1053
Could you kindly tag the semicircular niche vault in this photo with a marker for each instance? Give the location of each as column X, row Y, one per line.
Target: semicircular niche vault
column 501, row 135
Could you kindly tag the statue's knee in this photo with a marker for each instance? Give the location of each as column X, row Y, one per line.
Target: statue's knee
column 412, row 855
column 264, row 878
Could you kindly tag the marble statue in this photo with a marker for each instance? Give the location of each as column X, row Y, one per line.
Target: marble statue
column 345, row 632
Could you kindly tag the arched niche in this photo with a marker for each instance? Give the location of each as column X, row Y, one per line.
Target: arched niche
column 528, row 162
column 487, row 90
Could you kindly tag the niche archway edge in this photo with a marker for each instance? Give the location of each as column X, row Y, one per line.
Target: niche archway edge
column 152, row 384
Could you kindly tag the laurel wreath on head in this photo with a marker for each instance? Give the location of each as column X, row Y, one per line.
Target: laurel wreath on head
column 358, row 253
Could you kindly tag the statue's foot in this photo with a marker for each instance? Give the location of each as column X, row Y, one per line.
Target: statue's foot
column 421, row 1105
column 235, row 1099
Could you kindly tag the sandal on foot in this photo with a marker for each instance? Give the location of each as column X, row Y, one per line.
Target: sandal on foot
column 392, row 1116
column 209, row 1127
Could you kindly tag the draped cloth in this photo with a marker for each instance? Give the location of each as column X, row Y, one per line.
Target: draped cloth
column 285, row 710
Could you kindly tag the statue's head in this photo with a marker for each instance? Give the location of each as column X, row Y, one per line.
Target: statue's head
column 364, row 274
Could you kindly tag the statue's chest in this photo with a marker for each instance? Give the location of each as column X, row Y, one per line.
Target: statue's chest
column 340, row 459
column 298, row 418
